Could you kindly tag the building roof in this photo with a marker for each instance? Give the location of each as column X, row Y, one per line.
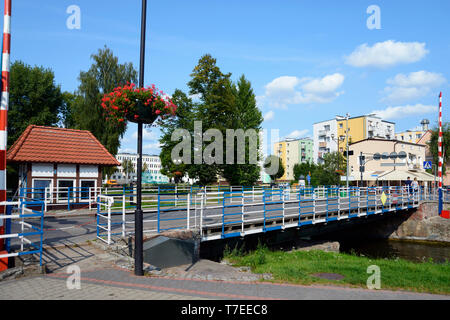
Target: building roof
column 380, row 139
column 340, row 118
column 59, row 145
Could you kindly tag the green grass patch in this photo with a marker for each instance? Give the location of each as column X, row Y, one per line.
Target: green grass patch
column 298, row 267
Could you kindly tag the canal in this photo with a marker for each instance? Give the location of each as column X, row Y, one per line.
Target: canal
column 392, row 249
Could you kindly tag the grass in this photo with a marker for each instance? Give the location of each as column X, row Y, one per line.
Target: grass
column 298, row 267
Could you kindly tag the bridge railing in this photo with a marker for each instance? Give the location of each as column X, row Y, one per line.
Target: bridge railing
column 24, row 221
column 231, row 213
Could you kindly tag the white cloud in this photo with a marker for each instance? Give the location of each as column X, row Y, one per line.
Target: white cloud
column 406, row 87
column 147, row 134
column 404, row 111
column 296, row 134
column 152, row 146
column 386, row 54
column 287, row 90
column 127, row 150
column 269, row 115
column 416, row 79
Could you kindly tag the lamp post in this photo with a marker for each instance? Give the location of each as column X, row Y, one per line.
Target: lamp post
column 138, row 216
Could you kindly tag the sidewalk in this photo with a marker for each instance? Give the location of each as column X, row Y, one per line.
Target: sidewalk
column 102, row 278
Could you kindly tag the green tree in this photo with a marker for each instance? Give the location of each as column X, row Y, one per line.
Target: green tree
column 222, row 105
column 280, row 172
column 433, row 145
column 66, row 111
column 184, row 120
column 303, row 169
column 327, row 173
column 246, row 117
column 103, row 76
column 34, row 99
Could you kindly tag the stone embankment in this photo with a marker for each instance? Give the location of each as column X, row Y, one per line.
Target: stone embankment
column 423, row 224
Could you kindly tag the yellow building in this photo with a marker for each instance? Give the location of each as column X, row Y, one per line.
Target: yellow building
column 331, row 135
column 292, row 152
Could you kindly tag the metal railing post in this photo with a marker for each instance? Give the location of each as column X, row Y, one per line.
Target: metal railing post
column 109, row 222
column 201, row 216
column 45, row 199
column 188, row 209
column 124, row 198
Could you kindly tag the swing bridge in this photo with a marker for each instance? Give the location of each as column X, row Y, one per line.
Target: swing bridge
column 212, row 212
column 243, row 211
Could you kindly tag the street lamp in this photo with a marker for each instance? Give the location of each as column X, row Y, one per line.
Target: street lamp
column 138, row 216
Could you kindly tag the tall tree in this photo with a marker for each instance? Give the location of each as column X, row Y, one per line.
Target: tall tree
column 247, row 116
column 103, row 76
column 215, row 109
column 182, row 120
column 34, row 99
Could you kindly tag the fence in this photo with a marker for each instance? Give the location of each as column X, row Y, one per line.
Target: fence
column 29, row 214
column 219, row 215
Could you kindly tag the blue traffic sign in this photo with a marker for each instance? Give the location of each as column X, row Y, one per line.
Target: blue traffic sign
column 427, row 165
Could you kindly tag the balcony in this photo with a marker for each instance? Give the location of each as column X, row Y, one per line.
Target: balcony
column 322, row 133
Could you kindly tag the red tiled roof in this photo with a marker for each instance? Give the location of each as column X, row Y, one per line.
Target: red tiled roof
column 59, row 145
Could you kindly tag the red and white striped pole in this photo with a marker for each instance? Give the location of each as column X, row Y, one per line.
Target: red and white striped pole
column 440, row 158
column 4, row 105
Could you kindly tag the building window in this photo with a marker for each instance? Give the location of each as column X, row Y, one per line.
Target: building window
column 85, row 187
column 63, row 188
column 39, row 186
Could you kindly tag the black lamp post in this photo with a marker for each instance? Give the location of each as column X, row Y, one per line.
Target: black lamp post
column 138, row 216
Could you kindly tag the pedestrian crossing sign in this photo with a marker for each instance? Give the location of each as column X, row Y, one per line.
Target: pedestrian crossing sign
column 427, row 165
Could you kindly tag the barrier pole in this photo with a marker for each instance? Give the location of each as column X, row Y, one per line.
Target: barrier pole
column 4, row 102
column 441, row 159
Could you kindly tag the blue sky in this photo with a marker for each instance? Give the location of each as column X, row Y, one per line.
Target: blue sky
column 307, row 60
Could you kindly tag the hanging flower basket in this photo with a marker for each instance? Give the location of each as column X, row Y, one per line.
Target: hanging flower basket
column 144, row 105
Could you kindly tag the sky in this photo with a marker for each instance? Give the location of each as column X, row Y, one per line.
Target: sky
column 307, row 60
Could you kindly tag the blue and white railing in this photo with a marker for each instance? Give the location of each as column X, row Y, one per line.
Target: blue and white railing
column 238, row 213
column 24, row 222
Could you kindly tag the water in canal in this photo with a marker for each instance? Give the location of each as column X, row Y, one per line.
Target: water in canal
column 392, row 249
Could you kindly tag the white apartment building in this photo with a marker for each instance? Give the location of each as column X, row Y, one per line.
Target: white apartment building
column 153, row 173
column 331, row 135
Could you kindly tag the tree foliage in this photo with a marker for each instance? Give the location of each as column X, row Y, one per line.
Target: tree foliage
column 221, row 105
column 34, row 99
column 103, row 76
column 280, row 171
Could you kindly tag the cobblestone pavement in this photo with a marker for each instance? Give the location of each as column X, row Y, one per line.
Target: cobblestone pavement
column 101, row 278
